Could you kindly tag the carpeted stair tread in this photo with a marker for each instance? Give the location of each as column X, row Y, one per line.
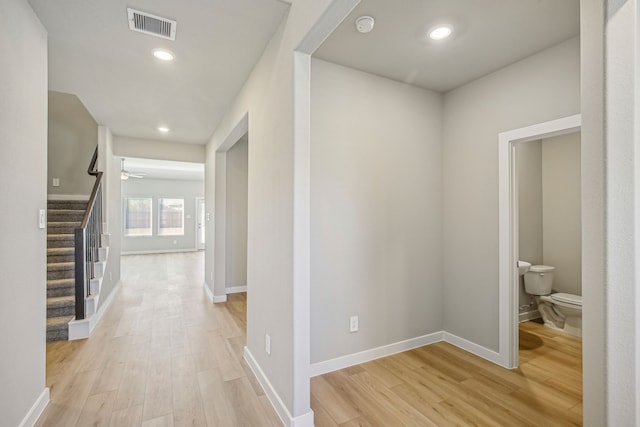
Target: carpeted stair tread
column 60, row 240
column 67, row 204
column 58, row 328
column 58, row 322
column 65, row 215
column 60, row 236
column 61, row 301
column 60, row 283
column 61, row 251
column 63, row 227
column 61, row 288
column 54, row 266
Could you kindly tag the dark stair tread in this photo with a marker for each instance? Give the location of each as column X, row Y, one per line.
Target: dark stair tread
column 60, row 236
column 56, row 266
column 60, row 283
column 61, row 301
column 61, row 251
column 58, row 322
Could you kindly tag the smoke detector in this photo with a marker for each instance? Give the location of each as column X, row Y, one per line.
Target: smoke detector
column 364, row 24
column 152, row 25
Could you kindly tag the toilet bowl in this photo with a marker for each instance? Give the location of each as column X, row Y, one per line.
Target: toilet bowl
column 560, row 311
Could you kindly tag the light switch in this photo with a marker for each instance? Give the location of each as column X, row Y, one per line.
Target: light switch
column 42, row 218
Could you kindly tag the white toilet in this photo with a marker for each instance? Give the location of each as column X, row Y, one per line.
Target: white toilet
column 559, row 311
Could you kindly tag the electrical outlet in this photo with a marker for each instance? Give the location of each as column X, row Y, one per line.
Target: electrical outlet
column 353, row 324
column 267, row 343
column 56, row 182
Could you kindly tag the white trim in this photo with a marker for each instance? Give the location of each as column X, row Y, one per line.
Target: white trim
column 529, row 315
column 80, row 329
column 75, row 197
column 472, row 348
column 507, row 230
column 342, row 362
column 219, row 298
column 161, row 251
column 236, row 289
column 207, row 291
column 213, row 298
column 36, row 410
column 305, row 420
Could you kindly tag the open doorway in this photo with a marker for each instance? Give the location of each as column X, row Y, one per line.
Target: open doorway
column 231, row 218
column 510, row 279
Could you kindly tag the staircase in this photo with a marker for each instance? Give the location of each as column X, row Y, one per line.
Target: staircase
column 63, row 217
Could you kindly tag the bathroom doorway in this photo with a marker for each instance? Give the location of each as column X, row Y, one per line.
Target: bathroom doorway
column 509, row 278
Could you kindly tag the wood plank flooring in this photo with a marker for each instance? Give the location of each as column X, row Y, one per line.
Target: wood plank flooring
column 164, row 356
column 441, row 385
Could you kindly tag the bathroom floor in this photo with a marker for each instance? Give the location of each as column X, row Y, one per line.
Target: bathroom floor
column 442, row 385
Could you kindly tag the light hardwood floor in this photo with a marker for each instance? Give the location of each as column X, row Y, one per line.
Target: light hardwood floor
column 441, row 385
column 163, row 355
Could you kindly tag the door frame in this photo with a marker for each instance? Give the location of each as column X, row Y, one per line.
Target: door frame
column 508, row 226
column 199, row 244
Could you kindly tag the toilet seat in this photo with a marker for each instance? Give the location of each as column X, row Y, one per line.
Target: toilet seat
column 571, row 299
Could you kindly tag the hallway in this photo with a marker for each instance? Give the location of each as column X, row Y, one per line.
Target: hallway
column 162, row 355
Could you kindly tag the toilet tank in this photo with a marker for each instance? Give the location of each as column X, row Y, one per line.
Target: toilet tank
column 539, row 280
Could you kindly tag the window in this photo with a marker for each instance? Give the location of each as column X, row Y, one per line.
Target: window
column 137, row 216
column 170, row 217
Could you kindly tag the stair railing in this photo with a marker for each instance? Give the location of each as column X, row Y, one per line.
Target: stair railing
column 87, row 240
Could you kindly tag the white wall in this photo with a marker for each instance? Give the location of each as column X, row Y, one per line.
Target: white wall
column 112, row 218
column 542, row 87
column 561, row 212
column 376, row 196
column 267, row 99
column 23, row 150
column 236, row 215
column 72, row 140
column 156, row 189
column 157, row 149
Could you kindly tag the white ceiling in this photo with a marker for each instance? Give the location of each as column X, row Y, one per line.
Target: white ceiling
column 94, row 55
column 164, row 169
column 488, row 35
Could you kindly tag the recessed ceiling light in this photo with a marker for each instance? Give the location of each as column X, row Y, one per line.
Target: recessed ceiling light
column 163, row 129
column 441, row 32
column 163, row 54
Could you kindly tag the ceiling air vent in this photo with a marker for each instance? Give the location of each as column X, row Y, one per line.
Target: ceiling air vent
column 151, row 24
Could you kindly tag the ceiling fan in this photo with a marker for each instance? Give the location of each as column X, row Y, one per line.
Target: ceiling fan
column 124, row 174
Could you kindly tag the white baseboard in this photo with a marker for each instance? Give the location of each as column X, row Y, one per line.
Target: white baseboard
column 81, row 329
column 472, row 348
column 78, row 197
column 219, row 298
column 374, row 353
column 236, row 289
column 36, row 410
column 207, row 291
column 529, row 315
column 160, row 251
column 287, row 419
column 213, row 298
